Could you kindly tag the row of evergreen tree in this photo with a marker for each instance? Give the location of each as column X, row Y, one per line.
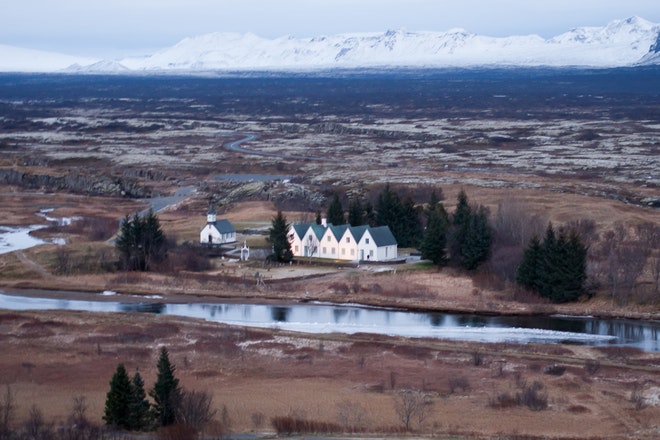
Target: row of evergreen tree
column 465, row 238
column 555, row 267
column 127, row 407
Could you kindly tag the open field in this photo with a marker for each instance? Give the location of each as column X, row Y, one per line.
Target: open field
column 565, row 146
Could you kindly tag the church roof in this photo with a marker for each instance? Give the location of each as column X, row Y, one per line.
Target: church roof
column 224, row 226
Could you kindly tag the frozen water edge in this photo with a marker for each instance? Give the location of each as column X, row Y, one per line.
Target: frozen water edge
column 17, row 238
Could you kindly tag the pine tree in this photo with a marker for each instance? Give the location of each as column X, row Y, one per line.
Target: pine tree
column 529, row 267
column 141, row 242
column 434, row 243
column 139, row 418
column 335, row 212
column 166, row 391
column 390, row 212
column 355, row 212
column 460, row 222
column 118, row 400
column 478, row 239
column 556, row 267
column 279, row 239
column 411, row 231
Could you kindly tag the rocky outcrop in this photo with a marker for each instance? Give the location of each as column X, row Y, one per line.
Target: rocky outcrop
column 76, row 183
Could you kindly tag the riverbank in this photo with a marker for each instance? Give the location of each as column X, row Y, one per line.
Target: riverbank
column 403, row 287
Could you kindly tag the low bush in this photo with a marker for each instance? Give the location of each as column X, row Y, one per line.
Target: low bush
column 287, row 425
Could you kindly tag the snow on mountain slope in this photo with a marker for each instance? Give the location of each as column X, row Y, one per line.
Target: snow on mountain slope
column 620, row 43
column 14, row 59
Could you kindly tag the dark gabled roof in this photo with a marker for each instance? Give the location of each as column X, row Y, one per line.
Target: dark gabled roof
column 338, row 231
column 224, row 226
column 301, row 229
column 358, row 231
column 383, row 236
column 318, row 230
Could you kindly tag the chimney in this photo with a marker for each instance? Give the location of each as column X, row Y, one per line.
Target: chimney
column 324, row 222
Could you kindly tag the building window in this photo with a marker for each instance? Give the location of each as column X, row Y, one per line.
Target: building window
column 343, row 251
column 348, row 239
column 371, row 253
column 296, row 248
column 352, row 252
column 325, row 250
column 366, row 240
column 329, row 238
column 333, row 251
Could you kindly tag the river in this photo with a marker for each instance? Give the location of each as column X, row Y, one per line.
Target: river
column 329, row 318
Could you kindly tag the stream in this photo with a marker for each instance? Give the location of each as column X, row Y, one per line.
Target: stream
column 351, row 319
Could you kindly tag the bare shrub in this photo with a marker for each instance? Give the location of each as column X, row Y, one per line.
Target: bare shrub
column 258, row 419
column 477, row 358
column 177, row 431
column 458, row 382
column 592, row 366
column 555, row 370
column 188, row 257
column 194, row 409
column 503, row 400
column 340, row 288
column 288, row 425
column 7, row 409
column 533, row 397
column 351, row 416
column 412, row 406
column 35, row 426
column 637, row 396
column 578, row 409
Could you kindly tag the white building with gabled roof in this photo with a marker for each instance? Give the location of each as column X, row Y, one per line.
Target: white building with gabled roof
column 216, row 232
column 343, row 242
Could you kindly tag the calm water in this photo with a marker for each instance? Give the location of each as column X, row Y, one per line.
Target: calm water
column 329, row 318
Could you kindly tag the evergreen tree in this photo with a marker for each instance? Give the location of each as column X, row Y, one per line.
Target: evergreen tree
column 355, row 212
column 139, row 408
column 118, row 400
column 318, row 220
column 166, row 391
column 141, row 242
column 529, row 267
column 335, row 212
column 434, row 243
column 478, row 239
column 556, row 267
column 279, row 239
column 460, row 221
column 411, row 231
column 390, row 212
column 434, row 200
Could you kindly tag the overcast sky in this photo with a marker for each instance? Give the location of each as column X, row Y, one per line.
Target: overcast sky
column 112, row 28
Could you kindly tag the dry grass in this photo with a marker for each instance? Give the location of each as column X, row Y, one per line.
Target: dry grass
column 47, row 361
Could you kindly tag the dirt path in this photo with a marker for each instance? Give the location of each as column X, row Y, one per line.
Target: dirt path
column 33, row 265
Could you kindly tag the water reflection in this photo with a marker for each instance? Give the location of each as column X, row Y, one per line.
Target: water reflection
column 324, row 318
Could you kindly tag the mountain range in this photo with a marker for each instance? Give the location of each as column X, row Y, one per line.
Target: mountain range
column 629, row 42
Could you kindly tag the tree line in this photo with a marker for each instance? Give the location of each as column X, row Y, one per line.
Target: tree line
column 127, row 406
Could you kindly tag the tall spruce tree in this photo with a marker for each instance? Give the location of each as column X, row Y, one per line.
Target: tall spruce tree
column 411, row 231
column 118, row 400
column 527, row 274
column 279, row 238
column 460, row 222
column 434, row 243
column 478, row 239
column 140, row 417
column 166, row 392
column 555, row 267
column 355, row 212
column 335, row 211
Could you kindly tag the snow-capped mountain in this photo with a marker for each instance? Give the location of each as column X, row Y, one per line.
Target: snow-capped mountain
column 620, row 43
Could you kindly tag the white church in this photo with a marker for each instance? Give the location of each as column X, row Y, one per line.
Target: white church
column 216, row 232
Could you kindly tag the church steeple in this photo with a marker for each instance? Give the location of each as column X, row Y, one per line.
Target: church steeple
column 210, row 215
